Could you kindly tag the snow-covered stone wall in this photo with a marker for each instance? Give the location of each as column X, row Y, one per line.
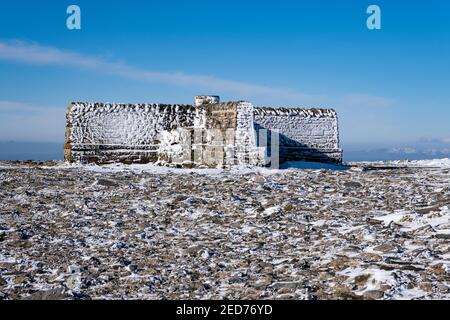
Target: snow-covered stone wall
column 304, row 134
column 120, row 132
column 229, row 129
column 209, row 134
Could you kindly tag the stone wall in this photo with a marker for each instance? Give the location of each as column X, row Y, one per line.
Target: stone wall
column 105, row 133
column 304, row 134
column 205, row 143
column 210, row 134
column 229, row 127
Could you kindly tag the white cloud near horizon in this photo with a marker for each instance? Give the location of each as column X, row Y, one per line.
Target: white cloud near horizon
column 428, row 140
column 367, row 101
column 35, row 54
column 14, row 106
column 25, row 122
column 21, row 121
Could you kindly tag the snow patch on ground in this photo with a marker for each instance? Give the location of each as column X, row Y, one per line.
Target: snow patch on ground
column 411, row 221
column 431, row 163
column 435, row 163
column 242, row 169
column 375, row 277
column 156, row 169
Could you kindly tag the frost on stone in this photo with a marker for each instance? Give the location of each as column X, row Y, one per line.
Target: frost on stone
column 142, row 133
column 143, row 231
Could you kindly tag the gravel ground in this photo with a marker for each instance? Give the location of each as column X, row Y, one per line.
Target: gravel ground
column 96, row 233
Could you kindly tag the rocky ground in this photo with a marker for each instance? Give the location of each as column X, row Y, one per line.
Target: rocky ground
column 145, row 233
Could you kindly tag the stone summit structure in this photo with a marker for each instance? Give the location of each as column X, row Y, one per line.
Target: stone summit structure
column 206, row 134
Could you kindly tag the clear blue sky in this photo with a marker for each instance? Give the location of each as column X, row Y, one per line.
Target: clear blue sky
column 390, row 86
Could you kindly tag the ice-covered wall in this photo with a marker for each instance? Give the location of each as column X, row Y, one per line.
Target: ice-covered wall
column 304, row 134
column 120, row 132
column 246, row 148
column 210, row 133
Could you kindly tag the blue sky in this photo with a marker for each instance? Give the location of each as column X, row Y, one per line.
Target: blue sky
column 389, row 86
